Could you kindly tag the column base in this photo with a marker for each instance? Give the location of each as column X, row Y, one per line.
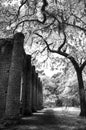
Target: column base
column 8, row 121
column 27, row 113
column 34, row 110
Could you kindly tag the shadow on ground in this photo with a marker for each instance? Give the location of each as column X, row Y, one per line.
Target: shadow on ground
column 49, row 119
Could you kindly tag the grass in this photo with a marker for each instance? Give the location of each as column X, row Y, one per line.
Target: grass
column 53, row 119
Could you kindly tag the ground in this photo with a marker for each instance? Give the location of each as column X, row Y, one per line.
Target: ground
column 52, row 119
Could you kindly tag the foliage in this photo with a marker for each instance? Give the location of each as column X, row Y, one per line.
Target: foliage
column 62, row 88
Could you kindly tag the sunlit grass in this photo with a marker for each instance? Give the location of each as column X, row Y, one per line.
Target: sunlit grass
column 71, row 110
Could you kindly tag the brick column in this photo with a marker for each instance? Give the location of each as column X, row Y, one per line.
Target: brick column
column 24, row 86
column 41, row 96
column 33, row 89
column 13, row 92
column 5, row 60
column 27, row 99
column 36, row 91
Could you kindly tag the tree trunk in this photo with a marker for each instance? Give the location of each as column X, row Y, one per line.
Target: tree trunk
column 81, row 93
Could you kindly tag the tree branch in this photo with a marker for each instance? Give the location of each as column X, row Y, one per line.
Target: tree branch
column 18, row 12
column 75, row 64
column 75, row 26
column 45, row 4
column 65, row 23
column 78, row 18
column 26, row 20
column 59, row 49
column 83, row 65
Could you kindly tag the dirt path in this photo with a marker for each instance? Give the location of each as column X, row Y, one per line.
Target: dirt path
column 53, row 119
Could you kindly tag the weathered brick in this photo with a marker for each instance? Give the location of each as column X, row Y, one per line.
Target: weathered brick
column 37, row 90
column 33, row 89
column 13, row 91
column 5, row 60
column 20, row 87
column 27, row 87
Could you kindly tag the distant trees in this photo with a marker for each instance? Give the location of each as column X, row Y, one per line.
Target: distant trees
column 62, row 87
column 68, row 86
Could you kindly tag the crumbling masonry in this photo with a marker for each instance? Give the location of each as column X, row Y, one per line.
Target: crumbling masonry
column 20, row 87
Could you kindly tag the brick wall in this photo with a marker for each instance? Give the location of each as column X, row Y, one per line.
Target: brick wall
column 5, row 59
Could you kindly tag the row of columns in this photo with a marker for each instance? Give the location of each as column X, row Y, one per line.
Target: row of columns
column 32, row 97
column 24, row 91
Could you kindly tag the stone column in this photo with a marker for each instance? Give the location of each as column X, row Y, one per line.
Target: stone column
column 13, row 92
column 33, row 89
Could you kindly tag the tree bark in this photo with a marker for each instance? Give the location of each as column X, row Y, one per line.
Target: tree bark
column 81, row 93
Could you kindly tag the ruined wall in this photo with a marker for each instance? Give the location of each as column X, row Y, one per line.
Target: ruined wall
column 19, row 82
column 6, row 46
